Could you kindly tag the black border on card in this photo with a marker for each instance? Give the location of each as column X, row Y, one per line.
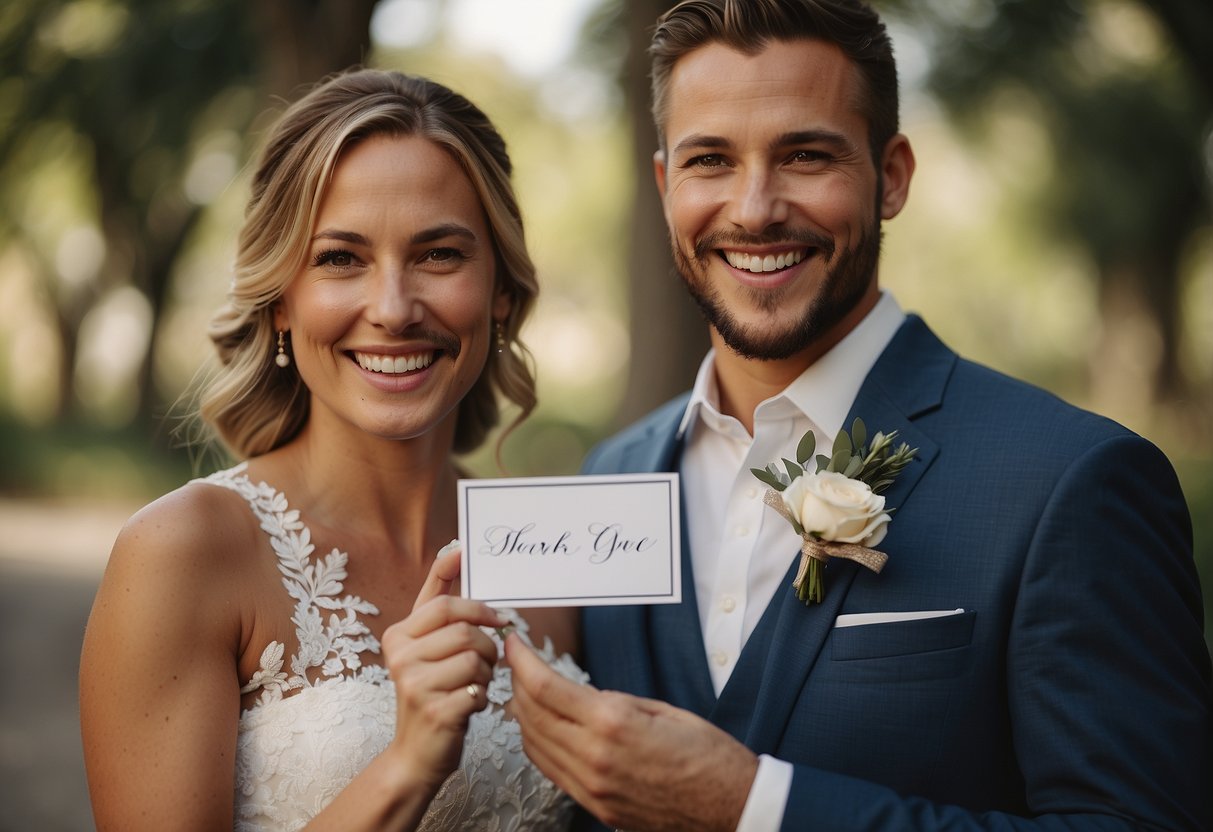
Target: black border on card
column 569, row 600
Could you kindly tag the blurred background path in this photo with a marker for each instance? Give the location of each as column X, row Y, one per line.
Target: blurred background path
column 52, row 555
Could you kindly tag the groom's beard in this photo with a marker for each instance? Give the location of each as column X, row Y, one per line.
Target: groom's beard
column 843, row 286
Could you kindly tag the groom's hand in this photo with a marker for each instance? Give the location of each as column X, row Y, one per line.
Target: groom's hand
column 633, row 763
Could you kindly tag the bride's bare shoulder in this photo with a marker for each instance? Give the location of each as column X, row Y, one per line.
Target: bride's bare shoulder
column 176, row 584
column 195, row 529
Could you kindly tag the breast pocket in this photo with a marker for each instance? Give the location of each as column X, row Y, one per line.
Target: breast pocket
column 929, row 648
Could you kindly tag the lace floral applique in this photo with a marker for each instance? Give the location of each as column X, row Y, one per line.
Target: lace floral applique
column 316, row 585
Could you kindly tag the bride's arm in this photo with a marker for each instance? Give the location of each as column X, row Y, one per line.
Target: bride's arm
column 159, row 693
column 159, row 698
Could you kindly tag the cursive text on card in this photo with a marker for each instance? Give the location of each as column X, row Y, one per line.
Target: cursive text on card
column 504, row 540
column 605, row 540
column 609, row 539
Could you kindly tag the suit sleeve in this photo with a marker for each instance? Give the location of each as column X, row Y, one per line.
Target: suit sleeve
column 1107, row 670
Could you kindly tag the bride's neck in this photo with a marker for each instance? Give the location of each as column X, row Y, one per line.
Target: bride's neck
column 399, row 492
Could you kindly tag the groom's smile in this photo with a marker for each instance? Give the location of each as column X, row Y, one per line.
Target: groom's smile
column 759, row 263
column 772, row 199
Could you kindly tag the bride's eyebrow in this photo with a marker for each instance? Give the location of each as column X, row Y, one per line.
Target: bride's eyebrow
column 341, row 236
column 427, row 235
column 450, row 229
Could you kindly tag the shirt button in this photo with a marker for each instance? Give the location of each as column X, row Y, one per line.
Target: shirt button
column 721, row 658
column 728, row 604
column 742, row 531
column 751, row 492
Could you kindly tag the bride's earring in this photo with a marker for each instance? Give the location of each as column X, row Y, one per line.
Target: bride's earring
column 499, row 331
column 282, row 359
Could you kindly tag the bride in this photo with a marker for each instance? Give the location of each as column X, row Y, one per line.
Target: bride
column 277, row 646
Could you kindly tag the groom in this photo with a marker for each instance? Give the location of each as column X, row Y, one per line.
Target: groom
column 1032, row 654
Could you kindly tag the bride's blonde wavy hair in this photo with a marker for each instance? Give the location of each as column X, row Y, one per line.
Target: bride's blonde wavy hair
column 254, row 406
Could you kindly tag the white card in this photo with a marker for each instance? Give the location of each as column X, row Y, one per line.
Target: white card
column 571, row 541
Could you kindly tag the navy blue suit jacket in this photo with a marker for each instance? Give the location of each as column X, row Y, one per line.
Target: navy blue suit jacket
column 1073, row 692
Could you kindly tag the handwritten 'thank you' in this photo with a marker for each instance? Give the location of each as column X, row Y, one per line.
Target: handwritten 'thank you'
column 571, row 541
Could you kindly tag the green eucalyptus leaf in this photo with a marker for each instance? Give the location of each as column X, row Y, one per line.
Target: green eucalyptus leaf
column 842, row 442
column 768, row 478
column 804, row 451
column 853, row 467
column 823, row 463
column 840, row 460
column 859, row 434
column 794, row 470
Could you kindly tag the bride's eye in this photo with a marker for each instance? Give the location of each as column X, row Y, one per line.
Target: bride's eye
column 443, row 260
column 337, row 258
column 444, row 255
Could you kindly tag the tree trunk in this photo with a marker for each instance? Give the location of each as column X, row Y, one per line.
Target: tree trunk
column 305, row 40
column 67, row 406
column 160, row 256
column 1135, row 362
column 668, row 335
column 1160, row 290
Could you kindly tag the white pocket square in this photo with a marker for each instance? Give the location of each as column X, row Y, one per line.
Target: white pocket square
column 855, row 619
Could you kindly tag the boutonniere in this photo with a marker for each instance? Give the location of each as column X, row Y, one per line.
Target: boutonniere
column 837, row 509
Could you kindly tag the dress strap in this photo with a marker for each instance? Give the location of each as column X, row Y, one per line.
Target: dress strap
column 316, row 584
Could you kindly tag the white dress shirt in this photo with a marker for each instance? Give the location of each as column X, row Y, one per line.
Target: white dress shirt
column 740, row 549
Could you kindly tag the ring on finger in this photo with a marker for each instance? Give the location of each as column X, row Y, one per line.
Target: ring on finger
column 473, row 690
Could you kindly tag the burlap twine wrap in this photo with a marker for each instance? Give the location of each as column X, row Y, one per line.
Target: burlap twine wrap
column 823, row 550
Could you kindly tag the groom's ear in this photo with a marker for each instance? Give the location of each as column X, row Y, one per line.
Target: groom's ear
column 659, row 171
column 896, row 170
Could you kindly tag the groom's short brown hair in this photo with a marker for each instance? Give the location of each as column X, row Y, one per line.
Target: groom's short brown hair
column 749, row 25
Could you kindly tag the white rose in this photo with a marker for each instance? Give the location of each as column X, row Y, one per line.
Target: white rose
column 836, row 508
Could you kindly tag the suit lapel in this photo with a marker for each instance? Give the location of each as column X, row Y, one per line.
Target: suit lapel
column 906, row 382
column 799, row 633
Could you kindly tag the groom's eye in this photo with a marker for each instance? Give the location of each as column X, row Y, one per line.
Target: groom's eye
column 707, row 160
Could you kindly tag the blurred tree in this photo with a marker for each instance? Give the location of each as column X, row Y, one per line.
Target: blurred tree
column 1189, row 23
column 131, row 95
column 668, row 334
column 1125, row 91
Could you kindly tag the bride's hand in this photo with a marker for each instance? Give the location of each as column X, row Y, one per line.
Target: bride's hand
column 440, row 662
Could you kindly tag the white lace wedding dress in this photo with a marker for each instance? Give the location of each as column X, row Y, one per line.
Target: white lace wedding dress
column 305, row 738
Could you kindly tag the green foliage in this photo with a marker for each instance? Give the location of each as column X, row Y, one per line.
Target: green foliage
column 150, row 104
column 1125, row 91
column 877, row 465
column 84, row 461
column 136, row 86
column 131, row 89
